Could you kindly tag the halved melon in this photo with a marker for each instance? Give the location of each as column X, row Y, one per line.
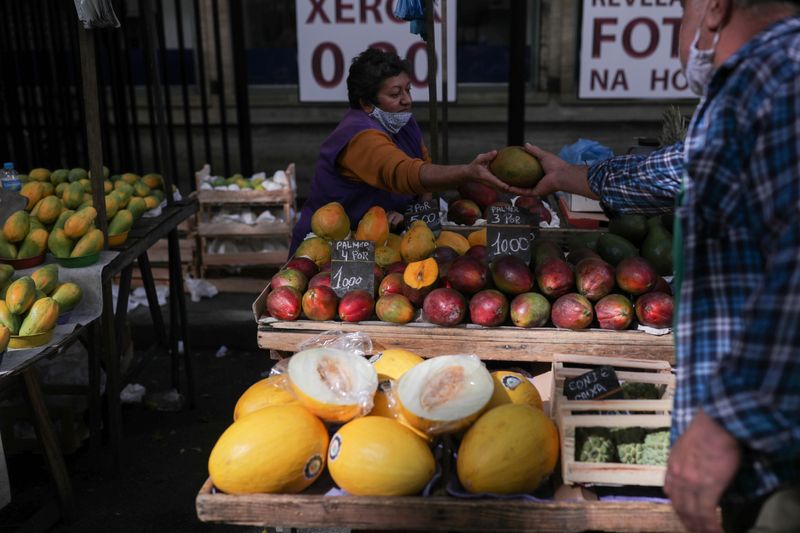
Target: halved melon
column 333, row 384
column 277, row 449
column 273, row 390
column 393, row 363
column 513, row 387
column 377, row 456
column 444, row 394
column 384, row 404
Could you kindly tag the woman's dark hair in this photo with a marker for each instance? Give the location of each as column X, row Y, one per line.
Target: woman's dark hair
column 368, row 71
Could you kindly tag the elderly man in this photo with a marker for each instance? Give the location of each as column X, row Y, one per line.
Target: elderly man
column 736, row 419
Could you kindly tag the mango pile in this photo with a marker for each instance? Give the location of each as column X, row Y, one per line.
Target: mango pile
column 32, row 304
column 60, row 215
column 602, row 282
column 385, row 415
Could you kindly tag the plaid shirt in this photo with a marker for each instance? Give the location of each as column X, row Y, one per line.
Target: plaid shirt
column 738, row 327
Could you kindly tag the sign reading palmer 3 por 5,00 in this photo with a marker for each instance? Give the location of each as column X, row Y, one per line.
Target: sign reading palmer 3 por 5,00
column 330, row 33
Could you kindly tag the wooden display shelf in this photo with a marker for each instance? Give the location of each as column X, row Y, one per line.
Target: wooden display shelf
column 248, row 197
column 246, row 259
column 238, row 229
column 435, row 513
column 505, row 343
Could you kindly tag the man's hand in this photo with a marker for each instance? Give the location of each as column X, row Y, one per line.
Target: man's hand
column 701, row 465
column 560, row 175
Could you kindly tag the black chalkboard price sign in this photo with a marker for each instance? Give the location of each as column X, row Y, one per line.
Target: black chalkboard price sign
column 598, row 384
column 425, row 210
column 352, row 264
column 509, row 231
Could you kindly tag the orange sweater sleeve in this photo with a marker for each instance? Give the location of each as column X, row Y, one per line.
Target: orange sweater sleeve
column 373, row 158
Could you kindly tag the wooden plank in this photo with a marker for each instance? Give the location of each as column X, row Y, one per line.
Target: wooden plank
column 432, row 514
column 504, row 343
column 245, row 197
column 277, row 258
column 238, row 229
column 237, row 284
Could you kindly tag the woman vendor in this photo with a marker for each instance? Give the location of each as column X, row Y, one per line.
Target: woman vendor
column 376, row 155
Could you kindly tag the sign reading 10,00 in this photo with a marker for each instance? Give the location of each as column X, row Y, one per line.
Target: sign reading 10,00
column 352, row 266
column 508, row 232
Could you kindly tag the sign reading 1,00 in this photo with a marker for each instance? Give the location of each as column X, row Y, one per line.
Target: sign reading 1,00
column 352, row 266
column 508, row 232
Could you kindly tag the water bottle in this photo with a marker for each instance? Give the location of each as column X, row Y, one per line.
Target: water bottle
column 9, row 179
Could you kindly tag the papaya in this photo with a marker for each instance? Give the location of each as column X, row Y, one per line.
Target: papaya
column 62, row 218
column 106, row 172
column 121, row 222
column 418, row 242
column 87, row 185
column 48, row 209
column 9, row 319
column 151, row 202
column 17, row 226
column 122, row 197
column 373, row 226
column 60, row 188
column 59, row 176
column 657, row 248
column 108, row 186
column 89, row 244
column 137, row 207
column 153, row 181
column 329, row 222
column 614, row 248
column 34, row 244
column 59, row 244
column 67, row 295
column 46, row 278
column 124, row 186
column 112, row 206
column 6, row 271
column 631, row 227
column 7, row 249
column 73, row 195
column 140, row 189
column 20, row 295
column 159, row 194
column 33, row 192
column 48, row 189
column 5, row 336
column 130, row 178
column 39, row 174
column 35, row 223
column 76, row 174
column 38, row 295
column 79, row 224
column 42, row 317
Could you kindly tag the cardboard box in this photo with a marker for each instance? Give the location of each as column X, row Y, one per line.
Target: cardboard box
column 581, row 204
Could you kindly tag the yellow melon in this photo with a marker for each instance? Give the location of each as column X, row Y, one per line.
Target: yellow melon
column 513, row 387
column 333, row 384
column 477, row 237
column 273, row 390
column 277, row 449
column 444, row 394
column 394, row 362
column 384, row 404
column 377, row 456
column 511, row 449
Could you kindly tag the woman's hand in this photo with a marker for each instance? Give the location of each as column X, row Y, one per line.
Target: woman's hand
column 560, row 175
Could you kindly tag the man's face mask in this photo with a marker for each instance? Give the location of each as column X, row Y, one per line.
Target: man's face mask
column 700, row 64
column 391, row 122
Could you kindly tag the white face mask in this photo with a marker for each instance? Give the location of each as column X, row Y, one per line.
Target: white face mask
column 391, row 122
column 700, row 65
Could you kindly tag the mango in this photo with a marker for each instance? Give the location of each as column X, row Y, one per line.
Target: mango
column 17, row 226
column 517, row 167
column 42, row 317
column 315, row 248
column 373, row 226
column 418, row 242
column 330, row 222
column 20, row 295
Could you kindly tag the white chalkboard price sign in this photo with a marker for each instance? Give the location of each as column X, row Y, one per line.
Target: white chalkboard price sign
column 425, row 210
column 509, row 231
column 598, row 384
column 352, row 266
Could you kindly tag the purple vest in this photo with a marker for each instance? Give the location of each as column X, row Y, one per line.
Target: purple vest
column 356, row 196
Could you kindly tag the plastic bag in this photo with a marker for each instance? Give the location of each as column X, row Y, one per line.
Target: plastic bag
column 357, row 342
column 414, row 11
column 585, row 151
column 96, row 14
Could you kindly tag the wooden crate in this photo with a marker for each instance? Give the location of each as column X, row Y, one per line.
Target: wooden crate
column 436, row 513
column 570, row 415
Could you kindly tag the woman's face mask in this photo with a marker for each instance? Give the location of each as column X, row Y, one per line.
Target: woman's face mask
column 700, row 65
column 391, row 122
